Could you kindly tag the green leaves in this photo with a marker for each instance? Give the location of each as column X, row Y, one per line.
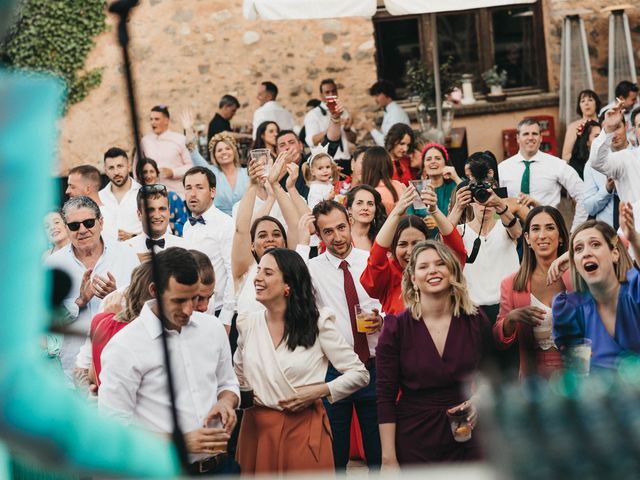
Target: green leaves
column 56, row 36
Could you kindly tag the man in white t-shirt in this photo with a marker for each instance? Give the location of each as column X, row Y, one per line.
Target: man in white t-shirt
column 270, row 109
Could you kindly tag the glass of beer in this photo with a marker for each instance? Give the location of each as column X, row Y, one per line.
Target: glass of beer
column 362, row 319
column 577, row 356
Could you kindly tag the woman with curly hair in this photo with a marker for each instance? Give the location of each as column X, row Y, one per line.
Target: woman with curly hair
column 430, row 353
column 367, row 215
column 282, row 358
column 231, row 178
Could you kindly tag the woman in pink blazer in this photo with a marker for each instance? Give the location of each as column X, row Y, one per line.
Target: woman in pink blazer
column 526, row 295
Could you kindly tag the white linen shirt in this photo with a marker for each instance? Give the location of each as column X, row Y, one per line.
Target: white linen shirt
column 215, row 239
column 133, row 376
column 126, row 211
column 622, row 166
column 328, row 281
column 393, row 113
column 274, row 112
column 317, row 121
column 118, row 259
column 548, row 175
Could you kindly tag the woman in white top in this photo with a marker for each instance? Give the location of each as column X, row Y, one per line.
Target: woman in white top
column 282, row 357
column 257, row 231
column 491, row 244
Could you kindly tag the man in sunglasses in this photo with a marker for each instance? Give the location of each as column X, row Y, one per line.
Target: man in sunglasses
column 96, row 267
column 156, row 231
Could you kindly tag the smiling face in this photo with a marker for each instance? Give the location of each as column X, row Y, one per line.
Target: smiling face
column 198, row 194
column 84, row 238
column 593, row 258
column 149, row 174
column 268, row 235
column 158, row 216
column 289, row 143
column 529, row 140
column 363, row 209
column 401, row 148
column 335, row 232
column 270, row 134
column 431, row 274
column 117, row 169
column 587, row 106
column 407, row 240
column 223, row 154
column 55, row 228
column 433, row 162
column 322, row 169
column 269, row 282
column 543, row 236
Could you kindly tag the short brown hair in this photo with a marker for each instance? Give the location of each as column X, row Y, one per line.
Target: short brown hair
column 205, row 267
column 89, row 174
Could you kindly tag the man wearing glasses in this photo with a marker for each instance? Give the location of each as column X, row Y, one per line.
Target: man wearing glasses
column 156, row 232
column 96, row 267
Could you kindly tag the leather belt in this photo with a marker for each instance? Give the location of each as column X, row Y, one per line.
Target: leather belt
column 207, row 465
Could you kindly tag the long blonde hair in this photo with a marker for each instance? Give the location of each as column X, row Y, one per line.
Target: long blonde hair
column 621, row 267
column 136, row 293
column 459, row 292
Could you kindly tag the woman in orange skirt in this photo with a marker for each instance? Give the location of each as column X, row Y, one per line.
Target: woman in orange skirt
column 282, row 357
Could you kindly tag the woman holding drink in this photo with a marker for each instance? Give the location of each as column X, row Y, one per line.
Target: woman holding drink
column 605, row 308
column 429, row 353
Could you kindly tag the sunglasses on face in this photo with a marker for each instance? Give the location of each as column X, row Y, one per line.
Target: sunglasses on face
column 156, row 188
column 88, row 223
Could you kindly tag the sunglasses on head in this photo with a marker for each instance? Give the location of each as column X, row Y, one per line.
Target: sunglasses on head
column 156, row 188
column 88, row 223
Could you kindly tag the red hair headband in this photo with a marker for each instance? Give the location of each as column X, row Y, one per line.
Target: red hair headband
column 429, row 146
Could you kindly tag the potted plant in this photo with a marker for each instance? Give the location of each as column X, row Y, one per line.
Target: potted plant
column 495, row 80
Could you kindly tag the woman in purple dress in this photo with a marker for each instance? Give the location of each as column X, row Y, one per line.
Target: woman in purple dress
column 605, row 307
column 428, row 354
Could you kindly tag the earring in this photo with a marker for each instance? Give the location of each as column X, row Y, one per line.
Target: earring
column 287, row 291
column 416, row 292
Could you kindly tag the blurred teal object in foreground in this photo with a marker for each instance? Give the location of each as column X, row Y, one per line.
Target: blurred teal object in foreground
column 38, row 415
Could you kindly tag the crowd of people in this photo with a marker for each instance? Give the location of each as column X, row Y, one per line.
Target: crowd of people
column 323, row 300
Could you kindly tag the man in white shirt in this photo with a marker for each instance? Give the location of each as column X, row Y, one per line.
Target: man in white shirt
column 156, row 232
column 211, row 231
column 336, row 279
column 133, row 377
column 96, row 267
column 317, row 122
column 626, row 93
column 270, row 110
column 623, row 165
column 384, row 94
column 85, row 180
column 120, row 193
column 535, row 175
column 167, row 148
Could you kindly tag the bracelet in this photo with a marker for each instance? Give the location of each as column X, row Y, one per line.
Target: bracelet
column 335, row 120
column 511, row 223
column 503, row 211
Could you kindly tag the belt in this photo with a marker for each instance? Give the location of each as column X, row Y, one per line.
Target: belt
column 371, row 363
column 207, row 465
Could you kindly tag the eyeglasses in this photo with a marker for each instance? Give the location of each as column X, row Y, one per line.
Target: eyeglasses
column 88, row 223
column 155, row 188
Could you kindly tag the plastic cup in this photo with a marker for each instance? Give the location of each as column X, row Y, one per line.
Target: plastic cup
column 362, row 320
column 261, row 155
column 577, row 356
column 217, row 423
column 460, row 427
column 420, row 186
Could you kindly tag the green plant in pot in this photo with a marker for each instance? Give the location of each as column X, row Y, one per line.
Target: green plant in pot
column 495, row 80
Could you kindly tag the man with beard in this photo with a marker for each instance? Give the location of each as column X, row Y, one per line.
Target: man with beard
column 120, row 193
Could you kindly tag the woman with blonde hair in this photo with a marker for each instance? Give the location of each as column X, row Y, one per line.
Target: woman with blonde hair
column 430, row 352
column 605, row 307
column 231, row 178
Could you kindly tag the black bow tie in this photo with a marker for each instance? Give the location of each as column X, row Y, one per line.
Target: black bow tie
column 194, row 220
column 151, row 242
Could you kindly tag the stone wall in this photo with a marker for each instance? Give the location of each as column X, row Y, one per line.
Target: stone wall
column 188, row 53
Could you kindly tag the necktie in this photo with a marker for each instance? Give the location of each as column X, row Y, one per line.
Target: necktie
column 526, row 177
column 150, row 243
column 360, row 344
column 194, row 220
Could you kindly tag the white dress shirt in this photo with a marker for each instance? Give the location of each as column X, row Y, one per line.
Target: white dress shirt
column 393, row 113
column 317, row 121
column 133, row 377
column 109, row 222
column 622, row 166
column 547, row 175
column 328, row 281
column 126, row 210
column 274, row 373
column 139, row 244
column 119, row 260
column 215, row 239
column 274, row 112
